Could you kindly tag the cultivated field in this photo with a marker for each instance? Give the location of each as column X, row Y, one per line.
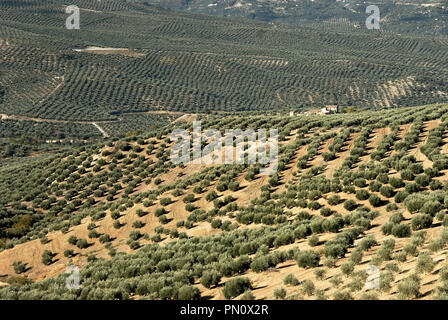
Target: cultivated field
column 128, row 58
column 356, row 196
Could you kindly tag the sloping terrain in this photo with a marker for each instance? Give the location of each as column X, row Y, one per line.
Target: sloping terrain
column 398, row 16
column 356, row 196
column 131, row 58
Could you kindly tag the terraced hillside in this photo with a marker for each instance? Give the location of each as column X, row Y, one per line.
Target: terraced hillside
column 353, row 193
column 130, row 61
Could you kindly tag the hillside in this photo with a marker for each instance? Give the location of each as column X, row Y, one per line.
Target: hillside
column 134, row 66
column 412, row 16
column 352, row 191
column 93, row 119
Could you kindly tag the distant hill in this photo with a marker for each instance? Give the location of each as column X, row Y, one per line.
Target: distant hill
column 131, row 63
column 417, row 16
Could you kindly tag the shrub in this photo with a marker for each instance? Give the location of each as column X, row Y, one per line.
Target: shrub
column 407, row 175
column 313, row 241
column 156, row 238
column 326, row 212
column 440, row 216
column 342, row 295
column 91, row 258
column 330, row 262
column 431, row 207
column 174, row 233
column 134, row 245
column 163, row 219
column 19, row 267
column 236, row 286
column 72, row 240
column 347, row 268
column 401, row 196
column 356, row 256
column 410, row 249
column 308, row 287
column 188, row 198
column 396, row 217
column 116, row 215
column 320, row 273
column 391, row 207
column 47, row 257
column 391, row 266
column 93, row 234
column 409, row 287
column 216, row 223
column 290, row 279
column 386, row 278
column 308, row 259
column 369, row 296
column 221, row 186
column 137, row 224
column 423, row 180
column 374, row 186
column 334, row 250
column 273, row 181
column 444, row 273
column 135, row 235
column 335, row 281
column 234, row 186
column 188, row 293
column 159, row 212
column 263, row 263
column 367, row 243
column 396, row 182
column 357, row 283
column 314, row 205
column 401, row 230
column 140, row 213
column 435, row 185
column 82, row 243
column 387, row 191
column 165, row 201
column 91, row 226
column 68, row 253
column 105, row 238
column 279, row 293
column 374, row 200
column 334, row 200
column 362, row 194
column 414, row 203
column 383, row 178
column 350, row 205
column 147, row 203
column 210, row 278
column 360, row 183
column 328, row 156
column 421, row 221
column 425, row 263
column 211, row 196
column 386, row 228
